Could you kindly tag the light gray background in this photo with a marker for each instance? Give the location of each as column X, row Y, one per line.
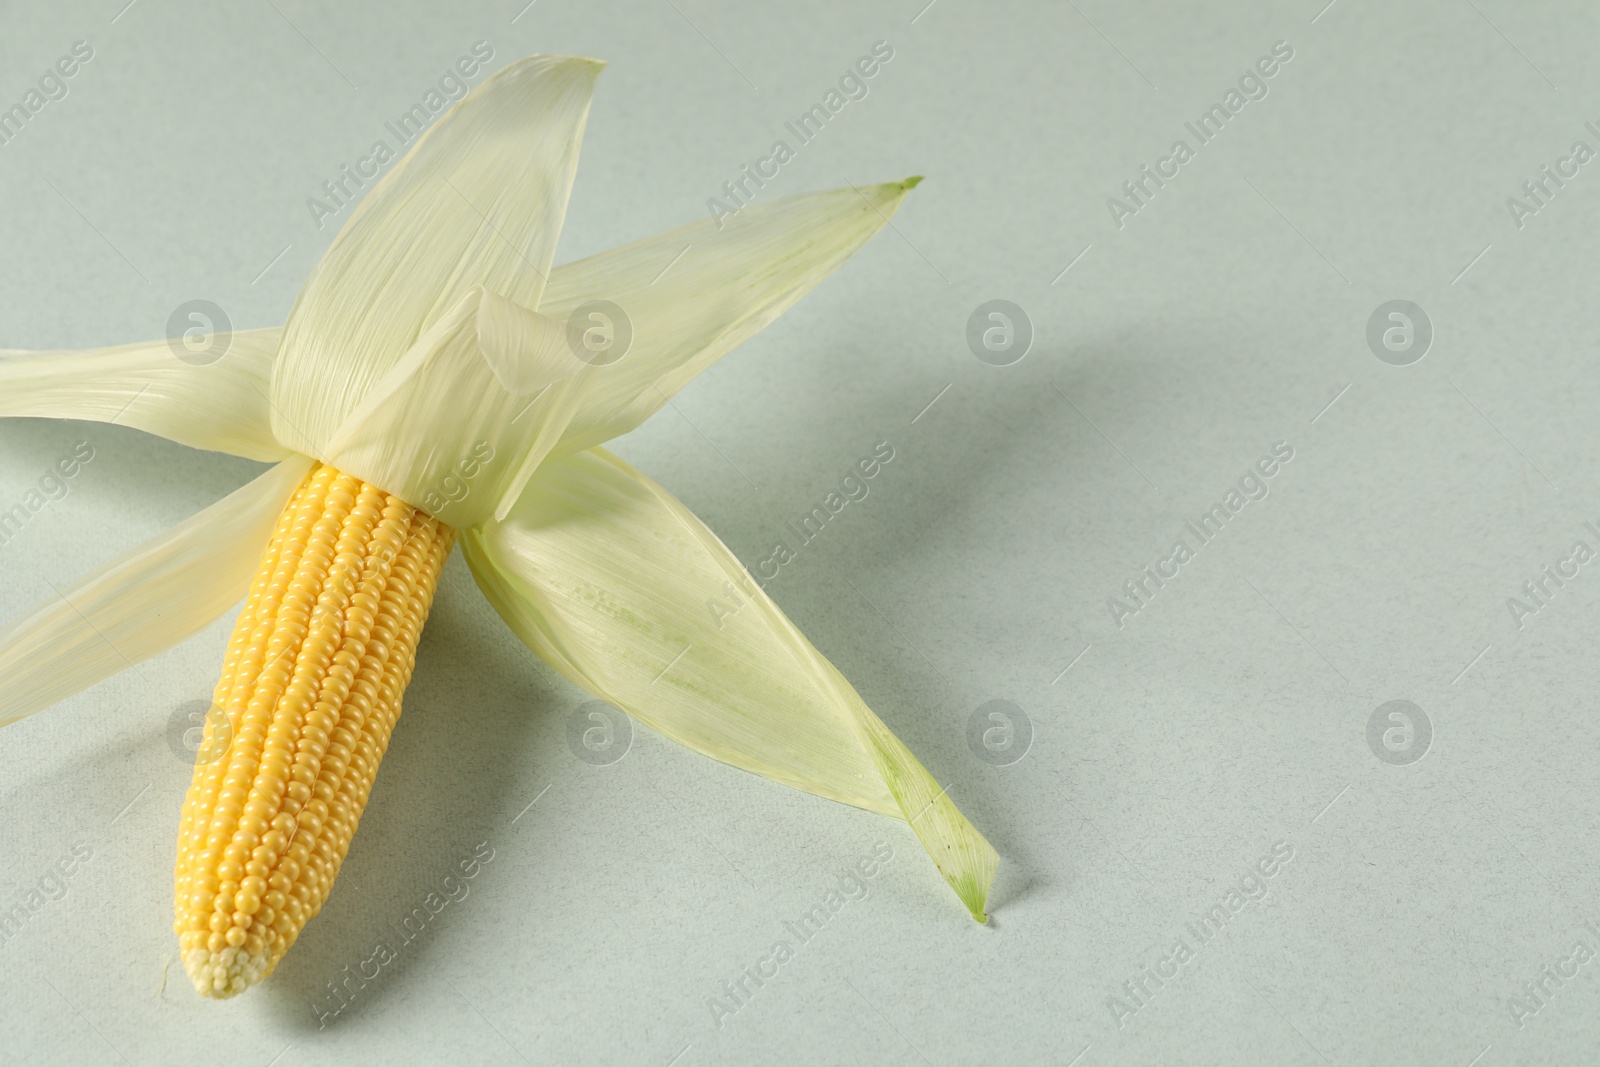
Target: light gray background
column 1228, row 715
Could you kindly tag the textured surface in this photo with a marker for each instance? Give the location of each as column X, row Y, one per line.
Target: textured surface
column 1230, row 713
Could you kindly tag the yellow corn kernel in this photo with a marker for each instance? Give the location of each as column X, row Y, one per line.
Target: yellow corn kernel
column 311, row 686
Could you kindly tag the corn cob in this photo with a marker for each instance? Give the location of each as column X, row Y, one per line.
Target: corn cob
column 310, row 690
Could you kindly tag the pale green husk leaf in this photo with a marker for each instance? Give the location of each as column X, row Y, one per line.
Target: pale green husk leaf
column 460, row 423
column 220, row 406
column 477, row 201
column 491, row 378
column 694, row 293
column 625, row 592
column 144, row 601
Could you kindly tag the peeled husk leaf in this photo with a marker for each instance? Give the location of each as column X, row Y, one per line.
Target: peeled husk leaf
column 625, row 592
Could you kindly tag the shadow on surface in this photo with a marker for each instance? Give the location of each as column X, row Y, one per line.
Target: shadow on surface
column 468, row 735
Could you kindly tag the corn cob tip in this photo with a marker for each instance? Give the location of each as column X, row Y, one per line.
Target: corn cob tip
column 220, row 975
